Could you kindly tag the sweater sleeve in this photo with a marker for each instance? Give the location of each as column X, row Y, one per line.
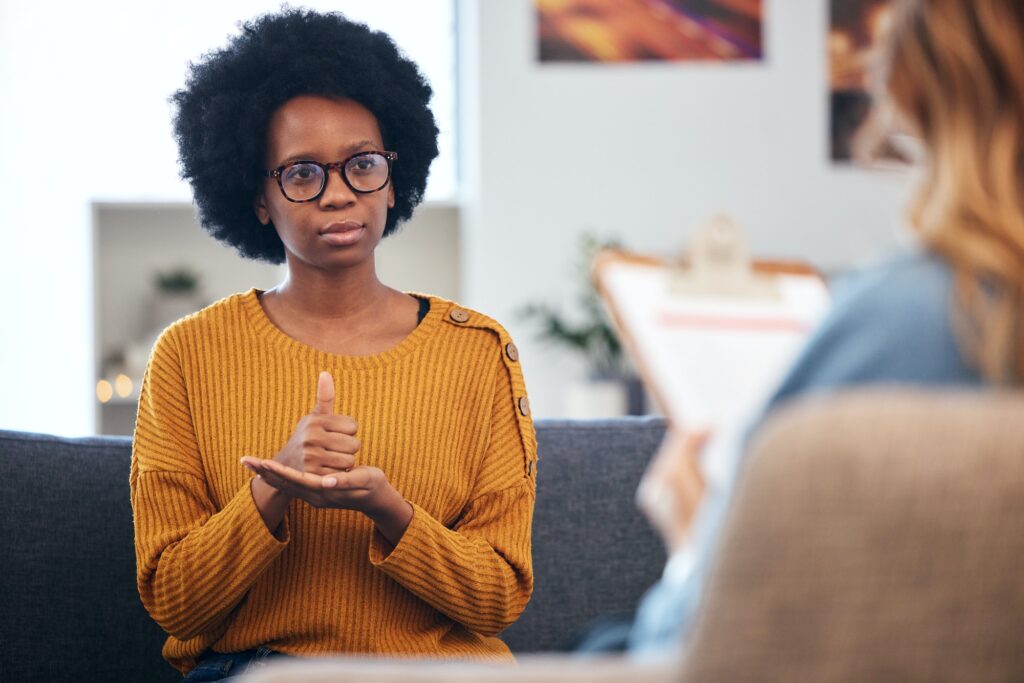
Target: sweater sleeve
column 479, row 572
column 195, row 562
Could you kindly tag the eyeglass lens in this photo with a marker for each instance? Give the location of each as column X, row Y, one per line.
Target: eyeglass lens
column 364, row 172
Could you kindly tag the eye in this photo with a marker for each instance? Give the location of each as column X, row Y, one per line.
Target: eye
column 302, row 173
column 365, row 163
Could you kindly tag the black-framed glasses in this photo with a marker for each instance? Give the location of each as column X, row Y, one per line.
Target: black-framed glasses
column 304, row 181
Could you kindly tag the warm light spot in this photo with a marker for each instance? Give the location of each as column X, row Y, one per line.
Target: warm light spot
column 123, row 385
column 104, row 391
column 839, row 43
column 879, row 22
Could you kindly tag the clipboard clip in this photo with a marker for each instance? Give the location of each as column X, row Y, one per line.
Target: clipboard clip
column 719, row 265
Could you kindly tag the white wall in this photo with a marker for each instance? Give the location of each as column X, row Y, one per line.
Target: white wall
column 558, row 149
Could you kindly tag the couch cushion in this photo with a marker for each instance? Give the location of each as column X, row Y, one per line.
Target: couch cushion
column 70, row 608
column 593, row 552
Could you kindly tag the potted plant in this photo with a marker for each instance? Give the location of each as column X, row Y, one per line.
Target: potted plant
column 177, row 295
column 611, row 387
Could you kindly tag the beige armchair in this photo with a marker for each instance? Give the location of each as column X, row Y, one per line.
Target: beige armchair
column 875, row 535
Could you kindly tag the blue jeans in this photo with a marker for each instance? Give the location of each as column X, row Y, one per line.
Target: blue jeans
column 214, row 666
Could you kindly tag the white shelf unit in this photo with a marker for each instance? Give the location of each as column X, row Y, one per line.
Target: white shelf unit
column 133, row 241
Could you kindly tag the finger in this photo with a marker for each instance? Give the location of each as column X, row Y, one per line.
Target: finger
column 257, row 468
column 655, row 482
column 679, row 445
column 336, row 442
column 304, row 480
column 315, row 458
column 276, row 480
column 253, row 464
column 324, row 394
column 340, row 442
column 358, row 478
column 654, row 498
column 333, row 462
column 696, row 441
column 691, row 491
column 340, row 424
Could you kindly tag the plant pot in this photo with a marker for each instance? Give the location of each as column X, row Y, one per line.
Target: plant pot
column 596, row 398
column 168, row 307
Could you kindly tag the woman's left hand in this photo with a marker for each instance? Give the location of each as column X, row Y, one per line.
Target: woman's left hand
column 362, row 488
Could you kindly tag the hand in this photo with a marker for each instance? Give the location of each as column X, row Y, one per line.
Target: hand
column 322, row 443
column 317, row 465
column 672, row 487
column 363, row 488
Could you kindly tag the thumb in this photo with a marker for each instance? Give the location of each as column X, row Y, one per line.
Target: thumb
column 324, row 394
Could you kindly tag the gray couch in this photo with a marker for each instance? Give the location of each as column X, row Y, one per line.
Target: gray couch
column 70, row 610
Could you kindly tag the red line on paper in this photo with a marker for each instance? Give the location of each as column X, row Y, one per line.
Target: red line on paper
column 719, row 322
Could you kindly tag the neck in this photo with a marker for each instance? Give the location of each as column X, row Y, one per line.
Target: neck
column 332, row 294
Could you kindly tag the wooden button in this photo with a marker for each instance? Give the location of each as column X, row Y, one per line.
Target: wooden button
column 524, row 406
column 459, row 315
column 512, row 351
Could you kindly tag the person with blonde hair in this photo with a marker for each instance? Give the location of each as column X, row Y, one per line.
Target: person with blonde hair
column 946, row 313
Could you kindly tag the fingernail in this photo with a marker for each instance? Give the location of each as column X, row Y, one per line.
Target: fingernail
column 330, row 481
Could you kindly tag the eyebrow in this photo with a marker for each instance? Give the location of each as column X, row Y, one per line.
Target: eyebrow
column 351, row 149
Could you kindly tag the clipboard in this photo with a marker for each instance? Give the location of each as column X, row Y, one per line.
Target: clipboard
column 713, row 334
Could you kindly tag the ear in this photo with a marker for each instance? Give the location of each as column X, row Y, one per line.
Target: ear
column 391, row 195
column 260, row 207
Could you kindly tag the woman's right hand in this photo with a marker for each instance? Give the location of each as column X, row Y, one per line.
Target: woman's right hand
column 673, row 487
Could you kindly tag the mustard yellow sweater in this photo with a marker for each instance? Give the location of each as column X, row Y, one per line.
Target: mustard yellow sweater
column 443, row 414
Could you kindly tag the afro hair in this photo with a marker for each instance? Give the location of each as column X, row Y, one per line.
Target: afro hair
column 223, row 112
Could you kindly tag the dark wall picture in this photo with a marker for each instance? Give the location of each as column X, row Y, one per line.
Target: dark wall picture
column 648, row 30
column 857, row 28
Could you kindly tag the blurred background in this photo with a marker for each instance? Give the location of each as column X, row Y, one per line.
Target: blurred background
column 566, row 124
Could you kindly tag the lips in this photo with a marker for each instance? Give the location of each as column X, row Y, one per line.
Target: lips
column 341, row 227
column 342, row 233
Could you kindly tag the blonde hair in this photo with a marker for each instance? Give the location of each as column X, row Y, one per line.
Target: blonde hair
column 954, row 71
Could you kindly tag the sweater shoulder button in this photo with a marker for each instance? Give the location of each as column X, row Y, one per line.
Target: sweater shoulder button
column 524, row 406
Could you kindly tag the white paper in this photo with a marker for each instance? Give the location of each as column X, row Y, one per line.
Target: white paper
column 715, row 361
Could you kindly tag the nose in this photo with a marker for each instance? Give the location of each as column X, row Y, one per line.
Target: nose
column 336, row 192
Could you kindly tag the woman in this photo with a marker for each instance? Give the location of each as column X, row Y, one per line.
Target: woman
column 330, row 466
column 948, row 313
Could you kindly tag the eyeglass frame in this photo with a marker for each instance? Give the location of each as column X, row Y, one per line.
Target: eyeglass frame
column 390, row 157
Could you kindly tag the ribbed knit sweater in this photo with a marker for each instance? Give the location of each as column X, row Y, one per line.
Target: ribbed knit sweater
column 443, row 414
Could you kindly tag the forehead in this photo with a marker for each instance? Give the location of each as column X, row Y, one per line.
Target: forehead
column 311, row 124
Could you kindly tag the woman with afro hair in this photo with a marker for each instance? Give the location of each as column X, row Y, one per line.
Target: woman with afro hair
column 329, row 466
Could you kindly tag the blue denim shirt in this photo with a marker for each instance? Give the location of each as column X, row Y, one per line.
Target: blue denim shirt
column 888, row 325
